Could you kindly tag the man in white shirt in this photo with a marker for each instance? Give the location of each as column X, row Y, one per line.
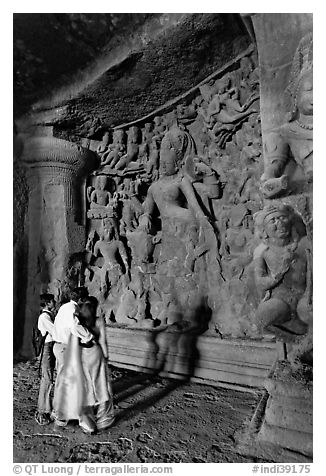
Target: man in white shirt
column 45, row 325
column 65, row 324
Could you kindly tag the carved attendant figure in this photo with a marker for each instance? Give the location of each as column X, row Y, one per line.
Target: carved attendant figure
column 104, row 145
column 115, row 151
column 280, row 270
column 294, row 138
column 225, row 112
column 113, row 251
column 173, row 189
column 132, row 149
column 99, row 197
column 175, row 197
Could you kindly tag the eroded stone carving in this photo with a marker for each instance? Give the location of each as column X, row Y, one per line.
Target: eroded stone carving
column 293, row 139
column 282, row 271
column 181, row 192
column 224, row 111
column 111, row 154
column 99, row 196
column 113, row 252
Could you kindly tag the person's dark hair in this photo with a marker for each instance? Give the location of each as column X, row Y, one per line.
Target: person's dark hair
column 78, row 294
column 87, row 313
column 93, row 301
column 46, row 298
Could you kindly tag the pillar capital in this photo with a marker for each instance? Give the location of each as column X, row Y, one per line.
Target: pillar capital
column 56, row 157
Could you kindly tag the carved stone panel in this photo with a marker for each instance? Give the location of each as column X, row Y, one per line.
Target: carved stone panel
column 179, row 193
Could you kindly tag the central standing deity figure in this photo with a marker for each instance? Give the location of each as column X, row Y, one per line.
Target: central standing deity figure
column 175, row 197
column 173, row 193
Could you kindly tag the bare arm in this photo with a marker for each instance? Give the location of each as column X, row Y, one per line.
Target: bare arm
column 93, row 196
column 189, row 193
column 89, row 191
column 100, row 324
column 123, row 253
column 276, row 156
column 149, row 203
column 265, row 281
column 80, row 331
column 96, row 249
column 148, row 207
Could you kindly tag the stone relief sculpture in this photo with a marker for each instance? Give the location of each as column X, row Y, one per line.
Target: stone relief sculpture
column 159, row 128
column 167, row 191
column 99, row 196
column 104, row 145
column 153, row 159
column 224, row 111
column 113, row 252
column 236, row 238
column 282, row 271
column 132, row 149
column 293, row 139
column 131, row 206
column 147, row 134
column 113, row 153
column 283, row 262
column 180, row 198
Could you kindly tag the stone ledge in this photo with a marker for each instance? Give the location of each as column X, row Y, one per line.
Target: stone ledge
column 227, row 362
column 299, row 441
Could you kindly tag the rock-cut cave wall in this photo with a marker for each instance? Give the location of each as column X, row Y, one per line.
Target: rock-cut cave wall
column 154, row 182
column 118, row 68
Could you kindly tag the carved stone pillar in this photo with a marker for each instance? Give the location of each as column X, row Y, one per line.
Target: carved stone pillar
column 284, row 43
column 55, row 171
column 278, row 36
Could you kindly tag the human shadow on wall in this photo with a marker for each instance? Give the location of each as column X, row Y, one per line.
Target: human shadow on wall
column 172, row 352
column 173, row 347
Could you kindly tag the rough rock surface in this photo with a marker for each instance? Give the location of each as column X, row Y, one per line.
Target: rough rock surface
column 117, row 67
column 158, row 421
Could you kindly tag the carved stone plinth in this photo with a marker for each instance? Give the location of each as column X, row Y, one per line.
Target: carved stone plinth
column 206, row 359
column 55, row 171
column 288, row 417
column 281, row 429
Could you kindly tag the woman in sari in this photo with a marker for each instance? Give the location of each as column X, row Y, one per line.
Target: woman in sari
column 86, row 391
column 98, row 403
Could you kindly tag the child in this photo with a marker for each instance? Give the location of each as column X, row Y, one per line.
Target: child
column 45, row 325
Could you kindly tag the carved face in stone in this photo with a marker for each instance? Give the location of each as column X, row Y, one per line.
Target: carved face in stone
column 118, row 137
column 109, row 232
column 278, row 225
column 305, row 95
column 106, row 138
column 133, row 133
column 101, row 182
column 168, row 162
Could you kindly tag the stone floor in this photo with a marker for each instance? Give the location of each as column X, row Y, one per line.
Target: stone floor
column 158, row 421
